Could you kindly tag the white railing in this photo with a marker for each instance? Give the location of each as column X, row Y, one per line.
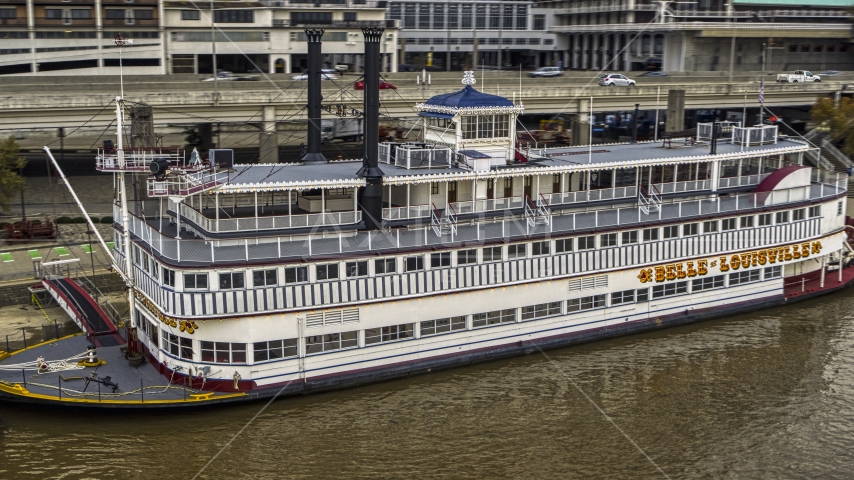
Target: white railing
column 649, row 201
column 186, row 183
column 403, row 213
column 744, row 180
column 704, row 130
column 828, row 146
column 679, row 26
column 136, row 159
column 275, row 222
column 764, row 14
column 416, row 156
column 443, row 222
column 759, row 135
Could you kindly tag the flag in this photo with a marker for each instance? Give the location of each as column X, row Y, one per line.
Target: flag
column 762, row 91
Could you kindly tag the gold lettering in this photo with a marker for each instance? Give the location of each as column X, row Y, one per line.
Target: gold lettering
column 671, row 272
column 659, row 274
column 772, row 255
column 805, row 250
column 788, row 252
column 734, row 262
column 763, row 257
column 795, row 252
column 745, row 260
column 816, row 247
column 701, row 267
column 691, row 272
column 724, row 265
column 679, row 272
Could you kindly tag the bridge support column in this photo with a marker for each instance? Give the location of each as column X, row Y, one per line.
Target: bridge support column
column 585, row 45
column 268, row 140
column 675, row 111
column 576, row 48
column 594, row 51
column 607, row 62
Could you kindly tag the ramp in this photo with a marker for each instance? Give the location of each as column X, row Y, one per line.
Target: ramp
column 84, row 310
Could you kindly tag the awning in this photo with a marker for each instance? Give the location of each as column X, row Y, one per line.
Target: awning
column 435, row 115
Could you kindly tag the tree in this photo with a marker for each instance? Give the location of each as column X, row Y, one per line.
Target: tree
column 839, row 119
column 11, row 183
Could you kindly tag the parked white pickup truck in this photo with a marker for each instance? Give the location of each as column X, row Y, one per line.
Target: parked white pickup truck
column 798, row 76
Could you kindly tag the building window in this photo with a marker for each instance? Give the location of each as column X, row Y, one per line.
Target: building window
column 739, row 278
column 190, row 15
column 465, row 257
column 585, row 303
column 516, row 251
column 439, row 260
column 782, row 217
column 177, row 346
column 815, row 211
column 143, row 14
column 231, row 280
column 195, row 281
column 773, row 272
column 793, row 47
column 223, row 352
column 587, row 243
column 389, row 334
column 237, row 16
column 542, row 310
column 350, row 16
column 710, row 227
column 728, row 224
column 357, row 269
column 707, row 283
column 669, row 289
column 442, row 325
column 764, row 220
column 8, row 13
column 563, row 245
column 274, row 350
column 839, row 208
column 492, row 254
column 168, row 277
column 608, row 240
column 113, row 14
column 385, row 265
column 424, row 16
column 328, row 271
column 690, row 229
column 414, row 263
column 494, row 318
column 332, row 341
column 799, row 214
column 540, row 248
column 264, row 278
column 296, row 275
column 671, row 231
column 630, row 237
column 85, row 14
column 650, row 235
column 539, row 22
column 619, row 298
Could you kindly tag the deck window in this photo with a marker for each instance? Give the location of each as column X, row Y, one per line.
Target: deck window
column 275, row 349
column 516, row 251
column 357, row 269
column 642, row 295
column 690, row 229
column 542, row 310
column 619, row 298
column 585, row 303
column 799, row 214
column 414, row 263
column 671, row 232
column 630, row 238
column 465, row 257
column 587, row 243
column 168, row 277
column 223, row 352
column 264, row 278
column 728, row 224
column 296, row 275
column 710, row 227
column 764, row 220
column 328, row 271
column 492, row 254
column 739, row 278
column 231, row 280
column 650, row 234
column 329, row 342
column 496, row 317
column 669, row 289
column 393, row 333
column 385, row 265
column 441, row 259
column 773, row 272
column 707, row 283
column 442, row 325
column 177, row 346
column 608, row 240
column 782, row 217
column 195, row 281
column 815, row 211
column 540, row 248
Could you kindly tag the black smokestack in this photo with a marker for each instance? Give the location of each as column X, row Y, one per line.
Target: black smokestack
column 371, row 196
column 315, row 98
column 635, row 124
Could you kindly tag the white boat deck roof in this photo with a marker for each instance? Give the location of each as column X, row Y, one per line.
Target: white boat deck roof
column 343, row 174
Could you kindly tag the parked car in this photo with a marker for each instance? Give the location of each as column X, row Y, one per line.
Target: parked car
column 325, row 74
column 654, row 74
column 830, row 73
column 342, row 68
column 798, row 76
column 223, row 75
column 615, row 79
column 546, row 72
column 360, row 85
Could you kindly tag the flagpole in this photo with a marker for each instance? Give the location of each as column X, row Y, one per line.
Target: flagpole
column 762, row 86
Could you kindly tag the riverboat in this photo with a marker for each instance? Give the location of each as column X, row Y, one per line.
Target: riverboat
column 261, row 280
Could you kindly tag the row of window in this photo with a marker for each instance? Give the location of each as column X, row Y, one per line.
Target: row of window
column 236, row 353
column 384, row 266
column 466, row 16
column 482, row 41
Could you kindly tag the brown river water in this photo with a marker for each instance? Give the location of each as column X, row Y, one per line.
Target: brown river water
column 768, row 394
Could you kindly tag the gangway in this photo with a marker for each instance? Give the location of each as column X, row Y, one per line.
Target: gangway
column 83, row 310
column 649, row 201
column 443, row 222
column 539, row 213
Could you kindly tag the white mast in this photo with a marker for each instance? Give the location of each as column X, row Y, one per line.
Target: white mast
column 120, row 158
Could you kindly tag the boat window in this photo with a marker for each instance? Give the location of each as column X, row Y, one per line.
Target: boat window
column 608, row 240
column 563, row 245
column 650, row 235
column 690, row 229
column 389, row 334
column 414, row 263
column 231, row 280
column 332, row 341
column 275, row 349
column 296, row 275
column 385, row 265
column 195, row 281
column 671, row 232
column 496, row 317
column 357, row 269
column 441, row 259
column 764, row 220
column 630, row 237
column 707, row 283
column 263, row 278
column 728, row 224
column 442, row 325
column 223, row 352
column 542, row 310
column 516, row 251
column 540, row 248
column 328, row 271
column 465, row 257
column 587, row 243
column 492, row 254
column 710, row 227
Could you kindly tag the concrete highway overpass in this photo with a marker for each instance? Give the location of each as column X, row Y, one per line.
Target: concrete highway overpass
column 49, row 102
